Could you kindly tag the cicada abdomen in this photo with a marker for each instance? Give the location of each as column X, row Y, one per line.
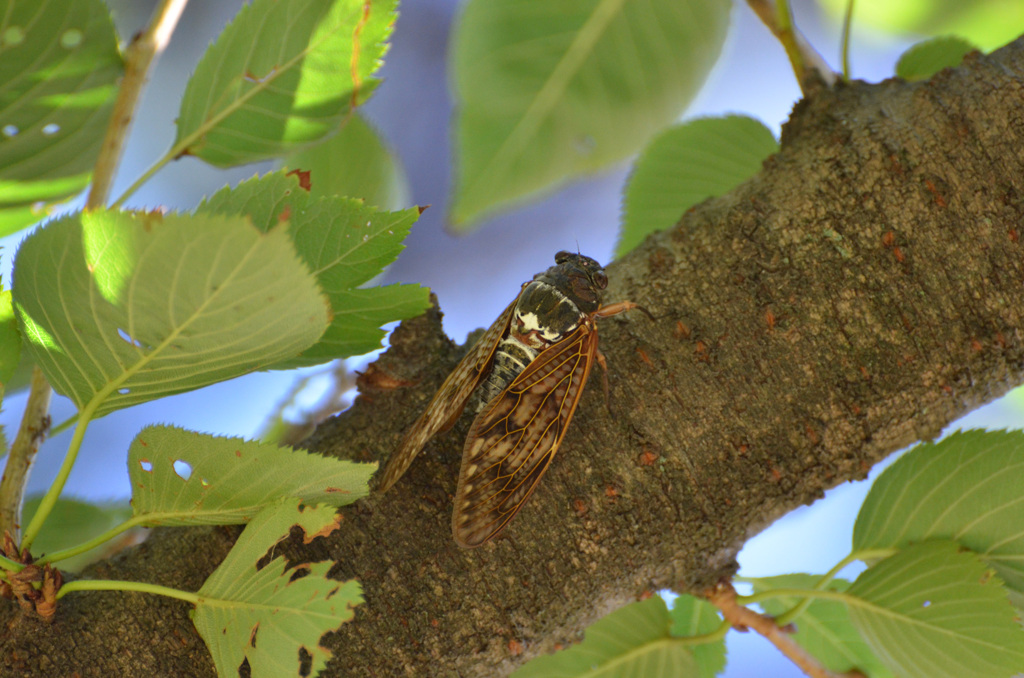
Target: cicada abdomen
column 525, row 376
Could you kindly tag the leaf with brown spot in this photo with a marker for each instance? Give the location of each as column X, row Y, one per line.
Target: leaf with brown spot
column 324, row 531
column 291, row 612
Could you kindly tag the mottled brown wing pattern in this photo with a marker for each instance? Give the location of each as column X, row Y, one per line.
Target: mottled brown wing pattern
column 513, row 440
column 450, row 400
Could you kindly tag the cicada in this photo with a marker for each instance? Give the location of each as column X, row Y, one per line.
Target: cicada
column 524, row 378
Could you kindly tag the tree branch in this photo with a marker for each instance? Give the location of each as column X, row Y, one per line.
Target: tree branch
column 858, row 295
column 742, row 618
column 35, row 423
column 139, row 57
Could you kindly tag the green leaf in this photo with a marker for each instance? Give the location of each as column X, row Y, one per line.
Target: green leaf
column 988, row 23
column 10, row 340
column 967, row 488
column 933, row 611
column 632, row 641
column 548, row 91
column 181, row 477
column 72, row 522
column 22, row 376
column 687, row 164
column 15, row 217
column 119, row 308
column 927, row 58
column 356, row 163
column 824, row 629
column 345, row 244
column 269, row 615
column 15, row 366
column 282, row 75
column 59, row 67
column 692, row 617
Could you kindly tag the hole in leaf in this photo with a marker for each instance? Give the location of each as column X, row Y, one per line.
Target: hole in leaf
column 926, row 603
column 252, row 634
column 71, row 38
column 305, row 662
column 146, row 465
column 299, row 573
column 267, row 557
column 124, row 390
column 10, row 130
column 183, row 469
column 204, row 482
column 51, row 129
column 127, row 337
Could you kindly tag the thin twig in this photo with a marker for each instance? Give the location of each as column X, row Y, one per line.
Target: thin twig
column 724, row 598
column 34, row 425
column 808, row 65
column 139, row 58
column 280, row 431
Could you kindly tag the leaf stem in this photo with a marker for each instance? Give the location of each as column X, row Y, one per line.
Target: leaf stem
column 34, row 425
column 10, row 565
column 847, row 22
column 808, row 65
column 808, row 594
column 823, row 582
column 821, row 585
column 92, row 543
column 115, row 585
column 153, row 169
column 63, row 426
column 784, row 21
column 139, row 58
column 50, row 498
column 709, row 637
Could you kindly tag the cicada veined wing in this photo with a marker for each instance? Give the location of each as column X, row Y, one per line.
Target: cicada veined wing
column 513, row 440
column 446, row 406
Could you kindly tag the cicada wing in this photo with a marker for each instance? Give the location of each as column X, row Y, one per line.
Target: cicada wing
column 513, row 440
column 446, row 406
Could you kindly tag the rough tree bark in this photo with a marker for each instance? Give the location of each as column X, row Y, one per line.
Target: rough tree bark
column 858, row 295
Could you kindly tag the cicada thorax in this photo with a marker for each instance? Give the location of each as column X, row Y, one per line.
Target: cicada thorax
column 544, row 315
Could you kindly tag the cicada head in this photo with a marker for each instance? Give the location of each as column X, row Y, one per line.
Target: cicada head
column 578, row 277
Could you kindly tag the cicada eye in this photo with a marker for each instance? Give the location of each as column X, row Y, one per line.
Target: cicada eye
column 562, row 257
column 600, row 279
